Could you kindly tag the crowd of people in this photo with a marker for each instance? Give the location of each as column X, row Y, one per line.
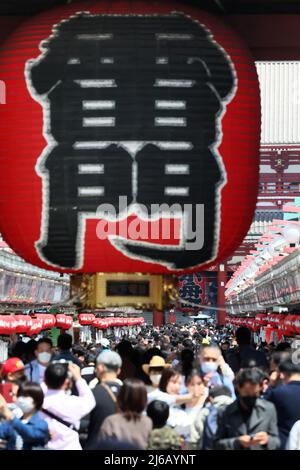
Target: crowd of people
column 190, row 387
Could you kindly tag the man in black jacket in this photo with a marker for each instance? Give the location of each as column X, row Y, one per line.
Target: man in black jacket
column 108, row 367
column 245, row 354
column 286, row 397
column 249, row 422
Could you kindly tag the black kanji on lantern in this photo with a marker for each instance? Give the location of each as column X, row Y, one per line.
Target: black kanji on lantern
column 132, row 107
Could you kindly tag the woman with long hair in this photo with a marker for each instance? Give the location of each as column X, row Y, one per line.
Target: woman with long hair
column 196, row 387
column 129, row 424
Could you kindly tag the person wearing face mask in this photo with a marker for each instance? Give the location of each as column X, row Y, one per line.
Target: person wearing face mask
column 63, row 411
column 250, row 422
column 30, row 432
column 166, row 383
column 35, row 370
column 154, row 370
column 215, row 370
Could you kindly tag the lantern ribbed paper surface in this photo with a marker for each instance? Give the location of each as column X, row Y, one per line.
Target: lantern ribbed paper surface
column 121, row 116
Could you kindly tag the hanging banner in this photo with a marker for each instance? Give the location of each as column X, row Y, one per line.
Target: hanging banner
column 191, row 288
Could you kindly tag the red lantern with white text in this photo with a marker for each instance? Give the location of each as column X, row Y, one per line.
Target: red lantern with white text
column 64, row 322
column 86, row 318
column 36, row 327
column 8, row 324
column 24, row 323
column 48, row 320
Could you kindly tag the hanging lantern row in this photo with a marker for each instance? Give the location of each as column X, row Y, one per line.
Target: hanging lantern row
column 287, row 324
column 28, row 325
column 104, row 323
column 25, row 324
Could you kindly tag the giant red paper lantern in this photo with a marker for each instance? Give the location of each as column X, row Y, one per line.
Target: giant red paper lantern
column 156, row 102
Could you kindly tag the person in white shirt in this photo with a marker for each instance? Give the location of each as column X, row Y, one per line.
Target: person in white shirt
column 293, row 442
column 63, row 411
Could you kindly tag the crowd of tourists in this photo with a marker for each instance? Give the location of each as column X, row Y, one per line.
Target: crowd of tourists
column 177, row 387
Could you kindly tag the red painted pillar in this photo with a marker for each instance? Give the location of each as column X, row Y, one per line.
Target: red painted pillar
column 158, row 318
column 222, row 280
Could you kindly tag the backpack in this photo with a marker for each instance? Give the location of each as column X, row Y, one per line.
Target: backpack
column 210, row 428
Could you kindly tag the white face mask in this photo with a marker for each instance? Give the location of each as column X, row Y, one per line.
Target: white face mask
column 44, row 357
column 16, row 411
column 155, row 379
column 209, row 366
column 25, row 404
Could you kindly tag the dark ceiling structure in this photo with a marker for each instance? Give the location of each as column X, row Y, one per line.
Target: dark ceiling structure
column 236, row 7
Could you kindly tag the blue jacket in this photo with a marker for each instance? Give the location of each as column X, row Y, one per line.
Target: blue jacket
column 35, row 433
column 218, row 379
column 32, row 371
column 8, row 434
column 286, row 399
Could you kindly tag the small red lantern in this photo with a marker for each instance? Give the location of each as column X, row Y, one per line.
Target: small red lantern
column 8, row 324
column 86, row 318
column 48, row 320
column 63, row 321
column 24, row 323
column 36, row 327
column 260, row 319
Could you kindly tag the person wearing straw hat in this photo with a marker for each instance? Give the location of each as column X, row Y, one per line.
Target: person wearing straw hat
column 154, row 370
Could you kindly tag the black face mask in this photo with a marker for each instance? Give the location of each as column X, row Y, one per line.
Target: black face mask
column 248, row 401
